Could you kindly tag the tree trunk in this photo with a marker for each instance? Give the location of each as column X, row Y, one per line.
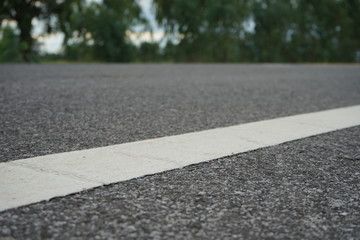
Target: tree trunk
column 24, row 16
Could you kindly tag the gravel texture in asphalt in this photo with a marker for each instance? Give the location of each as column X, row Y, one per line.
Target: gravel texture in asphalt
column 48, row 109
column 305, row 189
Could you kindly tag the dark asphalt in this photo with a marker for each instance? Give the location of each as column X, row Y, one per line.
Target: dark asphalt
column 57, row 108
column 306, row 189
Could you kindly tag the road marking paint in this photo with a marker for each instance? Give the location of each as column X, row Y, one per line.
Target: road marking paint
column 35, row 179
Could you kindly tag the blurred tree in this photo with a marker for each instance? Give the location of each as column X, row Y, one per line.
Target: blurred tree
column 9, row 45
column 285, row 30
column 272, row 20
column 169, row 52
column 305, row 30
column 79, row 52
column 328, row 31
column 103, row 28
column 149, row 52
column 208, row 30
column 24, row 11
column 51, row 57
column 205, row 30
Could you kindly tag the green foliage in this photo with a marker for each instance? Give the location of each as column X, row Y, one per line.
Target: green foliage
column 102, row 29
column 79, row 52
column 196, row 30
column 285, row 31
column 208, row 30
column 9, row 45
column 24, row 11
column 307, row 31
column 149, row 52
column 51, row 57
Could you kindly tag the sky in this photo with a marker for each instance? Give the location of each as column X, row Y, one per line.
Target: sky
column 51, row 43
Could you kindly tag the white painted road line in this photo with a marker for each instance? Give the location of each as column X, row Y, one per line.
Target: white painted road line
column 35, row 179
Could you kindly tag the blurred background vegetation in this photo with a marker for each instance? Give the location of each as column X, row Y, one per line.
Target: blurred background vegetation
column 181, row 31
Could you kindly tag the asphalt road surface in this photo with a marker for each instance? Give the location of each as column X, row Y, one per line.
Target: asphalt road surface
column 305, row 189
